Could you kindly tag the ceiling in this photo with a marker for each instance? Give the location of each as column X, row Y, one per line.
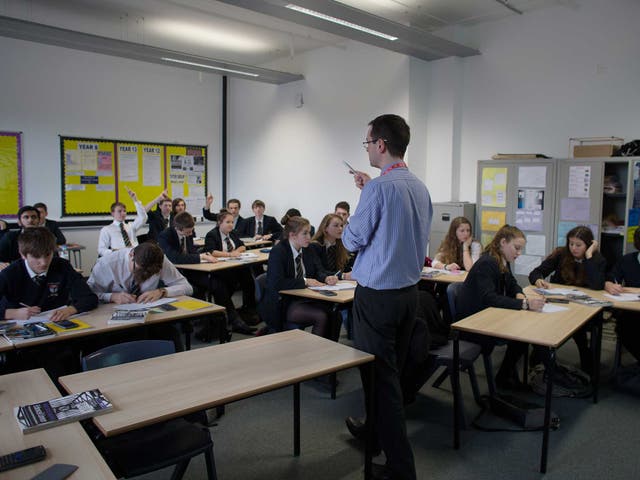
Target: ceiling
column 248, row 34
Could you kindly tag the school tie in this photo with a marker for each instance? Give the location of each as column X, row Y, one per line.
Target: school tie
column 134, row 289
column 125, row 235
column 228, row 243
column 183, row 245
column 166, row 222
column 331, row 258
column 299, row 272
column 40, row 279
column 259, row 232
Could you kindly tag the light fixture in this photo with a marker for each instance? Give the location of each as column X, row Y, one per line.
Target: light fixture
column 222, row 69
column 339, row 21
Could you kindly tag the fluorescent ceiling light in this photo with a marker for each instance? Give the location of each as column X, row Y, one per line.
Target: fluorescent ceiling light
column 339, row 21
column 210, row 66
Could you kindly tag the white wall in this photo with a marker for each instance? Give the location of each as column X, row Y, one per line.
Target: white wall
column 292, row 157
column 542, row 78
column 46, row 91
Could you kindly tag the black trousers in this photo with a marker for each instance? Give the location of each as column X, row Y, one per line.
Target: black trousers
column 382, row 324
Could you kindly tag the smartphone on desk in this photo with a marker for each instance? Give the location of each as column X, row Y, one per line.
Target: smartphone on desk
column 66, row 324
column 167, row 307
column 328, row 293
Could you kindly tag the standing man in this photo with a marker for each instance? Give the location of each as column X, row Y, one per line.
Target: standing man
column 389, row 230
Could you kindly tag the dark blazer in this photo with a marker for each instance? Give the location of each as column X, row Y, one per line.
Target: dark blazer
column 486, row 286
column 627, row 270
column 156, row 223
column 63, row 286
column 54, row 228
column 321, row 252
column 238, row 224
column 9, row 246
column 209, row 216
column 269, row 225
column 170, row 244
column 281, row 275
column 594, row 269
column 213, row 240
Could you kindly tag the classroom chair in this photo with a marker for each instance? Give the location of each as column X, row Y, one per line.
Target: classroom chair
column 157, row 446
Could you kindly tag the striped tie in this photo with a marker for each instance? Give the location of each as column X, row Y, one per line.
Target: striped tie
column 331, row 258
column 125, row 235
column 259, row 232
column 228, row 243
column 299, row 271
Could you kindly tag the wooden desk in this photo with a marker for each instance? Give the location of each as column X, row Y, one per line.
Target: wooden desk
column 342, row 297
column 99, row 318
column 65, row 444
column 158, row 389
column 249, row 243
column 5, row 345
column 445, row 277
column 225, row 264
column 549, row 330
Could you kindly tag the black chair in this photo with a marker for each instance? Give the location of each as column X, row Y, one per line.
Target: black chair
column 157, row 446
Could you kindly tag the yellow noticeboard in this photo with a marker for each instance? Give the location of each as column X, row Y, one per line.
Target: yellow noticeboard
column 492, row 220
column 10, row 173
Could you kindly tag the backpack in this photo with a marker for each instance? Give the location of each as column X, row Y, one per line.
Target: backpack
column 567, row 382
column 630, row 149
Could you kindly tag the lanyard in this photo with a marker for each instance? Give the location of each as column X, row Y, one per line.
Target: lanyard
column 391, row 167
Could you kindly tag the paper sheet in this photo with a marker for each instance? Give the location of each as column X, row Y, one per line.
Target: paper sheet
column 624, row 297
column 128, row 166
column 553, row 308
column 343, row 285
column 532, row 177
column 143, row 306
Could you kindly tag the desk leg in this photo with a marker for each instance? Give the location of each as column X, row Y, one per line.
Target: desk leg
column 335, row 322
column 596, row 348
column 551, row 366
column 369, row 371
column 296, row 419
column 187, row 328
column 455, row 380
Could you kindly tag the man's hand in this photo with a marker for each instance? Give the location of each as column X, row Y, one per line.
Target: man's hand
column 122, row 298
column 132, row 194
column 360, row 178
column 63, row 313
column 21, row 313
column 150, row 296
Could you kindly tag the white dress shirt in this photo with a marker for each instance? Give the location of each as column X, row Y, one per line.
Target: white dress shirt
column 111, row 238
column 112, row 275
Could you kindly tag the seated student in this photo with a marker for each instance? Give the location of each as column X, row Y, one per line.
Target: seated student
column 626, row 273
column 52, row 226
column 121, row 234
column 162, row 217
column 291, row 265
column 260, row 226
column 223, row 242
column 39, row 281
column 177, row 244
column 294, row 212
column 327, row 245
column 580, row 264
column 458, row 250
column 233, row 207
column 28, row 217
column 178, row 206
column 139, row 274
column 490, row 283
column 342, row 209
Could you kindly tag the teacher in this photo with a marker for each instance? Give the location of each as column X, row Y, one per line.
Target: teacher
column 389, row 231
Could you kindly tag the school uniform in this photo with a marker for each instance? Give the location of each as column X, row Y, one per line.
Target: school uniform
column 158, row 223
column 54, row 228
column 112, row 238
column 9, row 250
column 627, row 271
column 328, row 259
column 171, row 244
column 251, row 227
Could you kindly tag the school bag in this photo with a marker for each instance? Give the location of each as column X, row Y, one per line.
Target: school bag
column 567, row 382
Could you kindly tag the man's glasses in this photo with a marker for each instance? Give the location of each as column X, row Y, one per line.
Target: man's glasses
column 366, row 143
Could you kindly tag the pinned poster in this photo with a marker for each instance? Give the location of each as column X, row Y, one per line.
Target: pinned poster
column 536, row 245
column 579, row 181
column 492, row 220
column 494, row 187
column 575, row 209
column 532, row 177
column 525, row 263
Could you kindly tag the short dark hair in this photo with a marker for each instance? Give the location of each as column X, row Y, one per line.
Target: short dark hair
column 40, row 205
column 183, row 220
column 28, row 208
column 394, row 131
column 37, row 242
column 234, row 200
column 258, row 203
column 117, row 204
column 343, row 205
column 148, row 258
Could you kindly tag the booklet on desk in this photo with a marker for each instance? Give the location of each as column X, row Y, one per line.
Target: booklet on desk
column 58, row 411
column 128, row 316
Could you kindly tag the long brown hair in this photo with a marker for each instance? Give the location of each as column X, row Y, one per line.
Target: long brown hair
column 342, row 256
column 573, row 273
column 508, row 233
column 451, row 248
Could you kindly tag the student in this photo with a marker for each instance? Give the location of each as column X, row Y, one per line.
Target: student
column 160, row 218
column 261, row 226
column 490, row 283
column 294, row 212
column 342, row 209
column 233, row 206
column 139, row 274
column 580, row 264
column 52, row 226
column 177, row 244
column 121, row 234
column 291, row 265
column 28, row 217
column 178, row 206
column 458, row 250
column 223, row 242
column 39, row 281
column 626, row 273
column 327, row 245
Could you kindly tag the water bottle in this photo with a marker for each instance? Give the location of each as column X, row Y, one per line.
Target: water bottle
column 63, row 252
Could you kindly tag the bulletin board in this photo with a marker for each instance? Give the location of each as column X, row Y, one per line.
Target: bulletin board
column 97, row 172
column 10, row 173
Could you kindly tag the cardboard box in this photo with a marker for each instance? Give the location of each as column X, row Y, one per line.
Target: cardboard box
column 580, row 151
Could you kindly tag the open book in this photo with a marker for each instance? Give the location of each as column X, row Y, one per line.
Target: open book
column 58, row 411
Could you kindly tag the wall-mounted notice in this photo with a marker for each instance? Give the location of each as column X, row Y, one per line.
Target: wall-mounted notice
column 532, row 177
column 10, row 173
column 579, row 181
column 536, row 245
column 576, row 209
column 492, row 220
column 494, row 187
column 525, row 263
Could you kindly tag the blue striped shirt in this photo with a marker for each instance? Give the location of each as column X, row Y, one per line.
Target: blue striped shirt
column 390, row 230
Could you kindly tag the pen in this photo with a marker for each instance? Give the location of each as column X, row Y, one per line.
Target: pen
column 25, row 305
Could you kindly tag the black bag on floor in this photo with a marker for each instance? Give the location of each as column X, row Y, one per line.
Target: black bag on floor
column 567, row 382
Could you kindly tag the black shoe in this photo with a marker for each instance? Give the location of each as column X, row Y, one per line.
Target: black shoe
column 240, row 327
column 358, row 429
